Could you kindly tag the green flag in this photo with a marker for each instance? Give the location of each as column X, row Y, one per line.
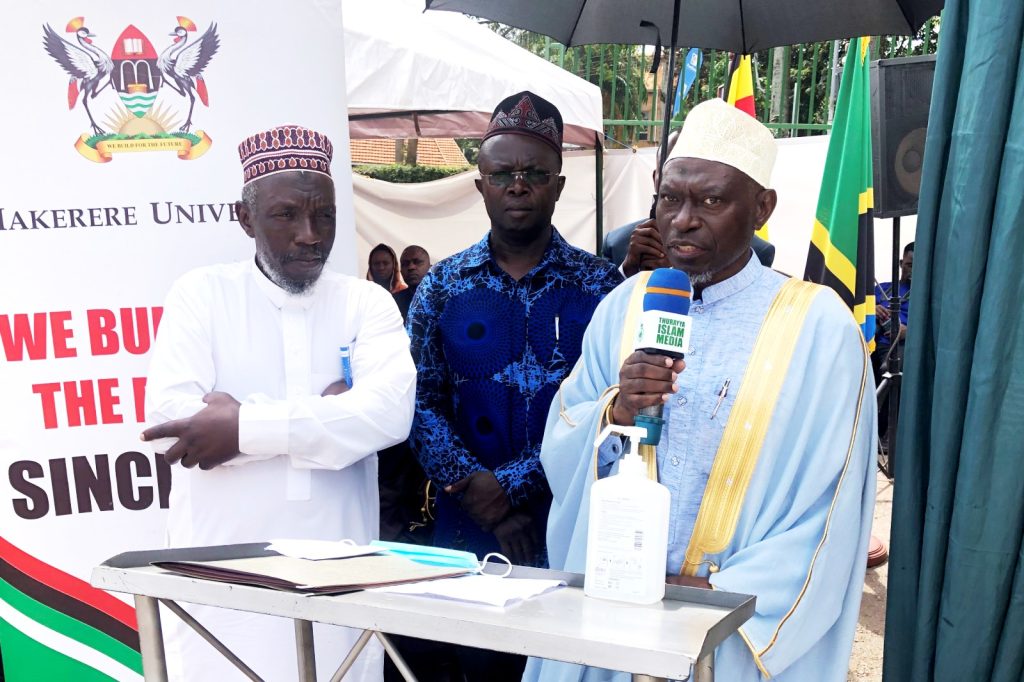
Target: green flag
column 841, row 254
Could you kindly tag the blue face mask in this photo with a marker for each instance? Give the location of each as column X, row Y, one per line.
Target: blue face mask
column 437, row 556
column 431, row 556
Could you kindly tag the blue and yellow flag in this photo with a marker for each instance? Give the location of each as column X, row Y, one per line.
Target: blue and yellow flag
column 842, row 252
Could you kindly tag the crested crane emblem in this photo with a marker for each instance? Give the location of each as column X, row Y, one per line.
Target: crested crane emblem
column 149, row 88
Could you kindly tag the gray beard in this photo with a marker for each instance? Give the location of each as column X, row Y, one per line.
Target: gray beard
column 700, row 278
column 279, row 278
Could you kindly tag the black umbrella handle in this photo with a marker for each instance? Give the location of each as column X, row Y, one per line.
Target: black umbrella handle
column 669, row 84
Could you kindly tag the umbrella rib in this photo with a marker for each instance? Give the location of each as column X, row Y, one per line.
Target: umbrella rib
column 576, row 23
column 743, row 29
column 910, row 22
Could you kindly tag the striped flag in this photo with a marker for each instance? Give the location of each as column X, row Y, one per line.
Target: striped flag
column 740, row 94
column 54, row 626
column 841, row 254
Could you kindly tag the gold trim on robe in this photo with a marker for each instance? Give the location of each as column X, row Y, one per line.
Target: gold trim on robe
column 627, row 346
column 748, row 423
column 828, row 520
column 636, row 306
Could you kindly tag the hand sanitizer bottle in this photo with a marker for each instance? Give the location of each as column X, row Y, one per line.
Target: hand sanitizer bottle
column 627, row 537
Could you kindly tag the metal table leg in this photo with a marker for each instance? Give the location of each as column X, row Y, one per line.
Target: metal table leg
column 304, row 651
column 350, row 660
column 704, row 668
column 396, row 658
column 703, row 671
column 151, row 639
column 213, row 641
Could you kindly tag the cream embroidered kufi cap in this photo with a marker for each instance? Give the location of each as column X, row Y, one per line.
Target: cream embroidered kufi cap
column 716, row 131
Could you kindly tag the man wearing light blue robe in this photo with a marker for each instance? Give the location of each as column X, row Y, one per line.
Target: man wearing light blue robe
column 800, row 541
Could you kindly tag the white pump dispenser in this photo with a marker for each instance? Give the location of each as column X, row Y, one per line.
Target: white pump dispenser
column 627, row 537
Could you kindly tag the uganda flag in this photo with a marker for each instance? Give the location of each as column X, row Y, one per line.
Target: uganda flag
column 740, row 94
column 841, row 255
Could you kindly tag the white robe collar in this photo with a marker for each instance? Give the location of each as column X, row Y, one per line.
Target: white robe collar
column 750, row 273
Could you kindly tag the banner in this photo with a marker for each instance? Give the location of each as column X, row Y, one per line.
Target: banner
column 841, row 254
column 121, row 122
column 687, row 76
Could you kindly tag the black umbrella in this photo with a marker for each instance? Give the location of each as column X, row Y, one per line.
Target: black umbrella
column 741, row 26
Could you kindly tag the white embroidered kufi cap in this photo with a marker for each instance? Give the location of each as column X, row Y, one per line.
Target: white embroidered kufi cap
column 716, row 131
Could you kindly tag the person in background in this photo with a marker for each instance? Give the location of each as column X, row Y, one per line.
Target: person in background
column 883, row 316
column 383, row 268
column 414, row 264
column 407, row 509
column 494, row 329
column 268, row 436
column 769, row 439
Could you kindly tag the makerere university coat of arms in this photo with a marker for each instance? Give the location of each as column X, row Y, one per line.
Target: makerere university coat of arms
column 138, row 74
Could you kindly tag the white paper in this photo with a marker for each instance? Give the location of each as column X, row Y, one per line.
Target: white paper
column 479, row 589
column 320, row 549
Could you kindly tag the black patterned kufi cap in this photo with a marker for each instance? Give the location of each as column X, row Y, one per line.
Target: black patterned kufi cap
column 525, row 113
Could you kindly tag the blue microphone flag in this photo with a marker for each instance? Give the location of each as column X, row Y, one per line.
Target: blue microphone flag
column 669, row 290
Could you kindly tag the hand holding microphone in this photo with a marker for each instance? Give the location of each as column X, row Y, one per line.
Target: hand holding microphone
column 647, row 377
column 645, row 380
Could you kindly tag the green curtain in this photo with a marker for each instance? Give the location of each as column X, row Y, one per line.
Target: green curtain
column 956, row 576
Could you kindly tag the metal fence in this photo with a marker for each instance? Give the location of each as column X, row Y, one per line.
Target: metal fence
column 795, row 86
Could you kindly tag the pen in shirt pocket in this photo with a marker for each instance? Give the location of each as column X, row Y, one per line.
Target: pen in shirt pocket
column 346, row 364
column 721, row 397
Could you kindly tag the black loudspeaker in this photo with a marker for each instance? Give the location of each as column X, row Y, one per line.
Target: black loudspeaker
column 901, row 92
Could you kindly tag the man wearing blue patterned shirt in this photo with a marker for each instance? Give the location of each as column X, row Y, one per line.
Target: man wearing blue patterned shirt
column 494, row 331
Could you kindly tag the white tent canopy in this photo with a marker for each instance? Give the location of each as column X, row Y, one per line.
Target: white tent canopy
column 440, row 74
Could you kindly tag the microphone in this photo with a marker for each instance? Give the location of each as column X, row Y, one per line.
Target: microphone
column 664, row 329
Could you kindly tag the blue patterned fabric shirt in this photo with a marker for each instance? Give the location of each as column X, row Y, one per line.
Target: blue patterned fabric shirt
column 490, row 354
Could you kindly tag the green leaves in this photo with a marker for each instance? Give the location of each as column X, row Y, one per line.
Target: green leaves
column 410, row 174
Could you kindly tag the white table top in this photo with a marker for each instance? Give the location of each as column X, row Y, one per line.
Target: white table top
column 663, row 639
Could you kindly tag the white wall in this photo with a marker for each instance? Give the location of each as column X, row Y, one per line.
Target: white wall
column 797, row 179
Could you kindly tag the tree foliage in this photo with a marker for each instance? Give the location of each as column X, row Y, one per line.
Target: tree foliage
column 801, row 86
column 400, row 173
column 617, row 69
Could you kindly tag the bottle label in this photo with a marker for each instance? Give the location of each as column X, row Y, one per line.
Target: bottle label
column 620, row 546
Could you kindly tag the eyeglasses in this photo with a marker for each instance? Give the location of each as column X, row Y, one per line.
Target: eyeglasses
column 534, row 178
